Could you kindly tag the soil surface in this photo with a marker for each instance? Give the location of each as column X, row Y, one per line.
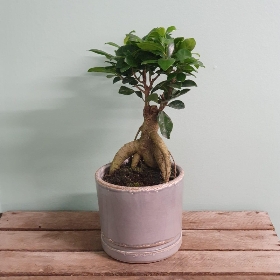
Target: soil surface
column 142, row 176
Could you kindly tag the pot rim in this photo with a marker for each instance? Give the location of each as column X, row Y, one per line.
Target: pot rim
column 99, row 173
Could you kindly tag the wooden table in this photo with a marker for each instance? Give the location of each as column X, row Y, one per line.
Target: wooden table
column 66, row 246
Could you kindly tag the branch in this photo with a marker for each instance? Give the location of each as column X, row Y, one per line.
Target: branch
column 137, row 78
column 137, row 86
column 162, row 105
column 139, row 130
column 153, row 80
column 144, row 78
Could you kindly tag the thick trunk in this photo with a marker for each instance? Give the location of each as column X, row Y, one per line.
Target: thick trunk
column 150, row 147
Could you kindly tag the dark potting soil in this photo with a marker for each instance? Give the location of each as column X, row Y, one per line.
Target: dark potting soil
column 139, row 177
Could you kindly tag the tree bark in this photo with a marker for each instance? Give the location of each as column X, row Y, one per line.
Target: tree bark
column 150, row 147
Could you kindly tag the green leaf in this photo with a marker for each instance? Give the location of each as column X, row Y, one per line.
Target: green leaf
column 110, row 76
column 143, row 55
column 177, row 104
column 188, row 44
column 126, row 50
column 155, row 33
column 171, row 76
column 189, row 83
column 102, row 69
column 113, row 44
column 176, row 85
column 130, row 60
column 175, row 93
column 111, row 62
column 183, row 91
column 139, row 94
column 165, row 41
column 170, row 29
column 150, row 46
column 131, row 38
column 198, row 64
column 109, row 56
column 126, row 67
column 133, row 82
column 190, row 60
column 165, row 124
column 153, row 97
column 183, row 54
column 152, row 61
column 116, row 80
column 168, row 36
column 160, row 85
column 130, row 80
column 153, row 36
column 165, row 63
column 125, row 90
column 189, row 69
column 181, row 77
column 178, row 93
column 121, row 63
column 160, row 31
column 178, row 40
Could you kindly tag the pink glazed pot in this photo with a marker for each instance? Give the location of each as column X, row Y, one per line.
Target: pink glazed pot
column 140, row 224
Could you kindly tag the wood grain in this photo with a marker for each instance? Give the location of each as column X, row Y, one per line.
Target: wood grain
column 50, row 241
column 183, row 277
column 230, row 240
column 99, row 264
column 70, row 220
column 62, row 220
column 90, row 240
column 240, row 220
column 66, row 245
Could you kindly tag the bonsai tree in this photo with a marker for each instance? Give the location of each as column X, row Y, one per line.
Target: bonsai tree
column 138, row 65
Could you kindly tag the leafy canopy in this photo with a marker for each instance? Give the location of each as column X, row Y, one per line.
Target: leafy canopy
column 140, row 61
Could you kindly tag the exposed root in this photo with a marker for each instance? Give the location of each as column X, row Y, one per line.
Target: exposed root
column 150, row 147
column 161, row 163
column 135, row 160
column 164, row 160
column 175, row 171
column 126, row 151
column 139, row 130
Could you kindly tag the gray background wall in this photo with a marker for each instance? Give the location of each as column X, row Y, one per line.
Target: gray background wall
column 60, row 123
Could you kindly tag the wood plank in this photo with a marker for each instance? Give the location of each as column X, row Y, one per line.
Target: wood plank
column 51, row 220
column 73, row 220
column 51, row 241
column 243, row 220
column 230, row 240
column 183, row 277
column 99, row 264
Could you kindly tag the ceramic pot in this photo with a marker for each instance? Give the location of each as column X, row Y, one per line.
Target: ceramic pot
column 140, row 224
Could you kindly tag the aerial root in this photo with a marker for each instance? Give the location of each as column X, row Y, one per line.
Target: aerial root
column 175, row 172
column 161, row 162
column 151, row 149
column 135, row 160
column 162, row 156
column 126, row 151
column 139, row 130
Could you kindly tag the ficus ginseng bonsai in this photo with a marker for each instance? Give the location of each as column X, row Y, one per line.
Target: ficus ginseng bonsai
column 139, row 63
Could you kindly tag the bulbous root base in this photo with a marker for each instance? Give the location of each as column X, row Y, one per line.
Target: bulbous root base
column 149, row 147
